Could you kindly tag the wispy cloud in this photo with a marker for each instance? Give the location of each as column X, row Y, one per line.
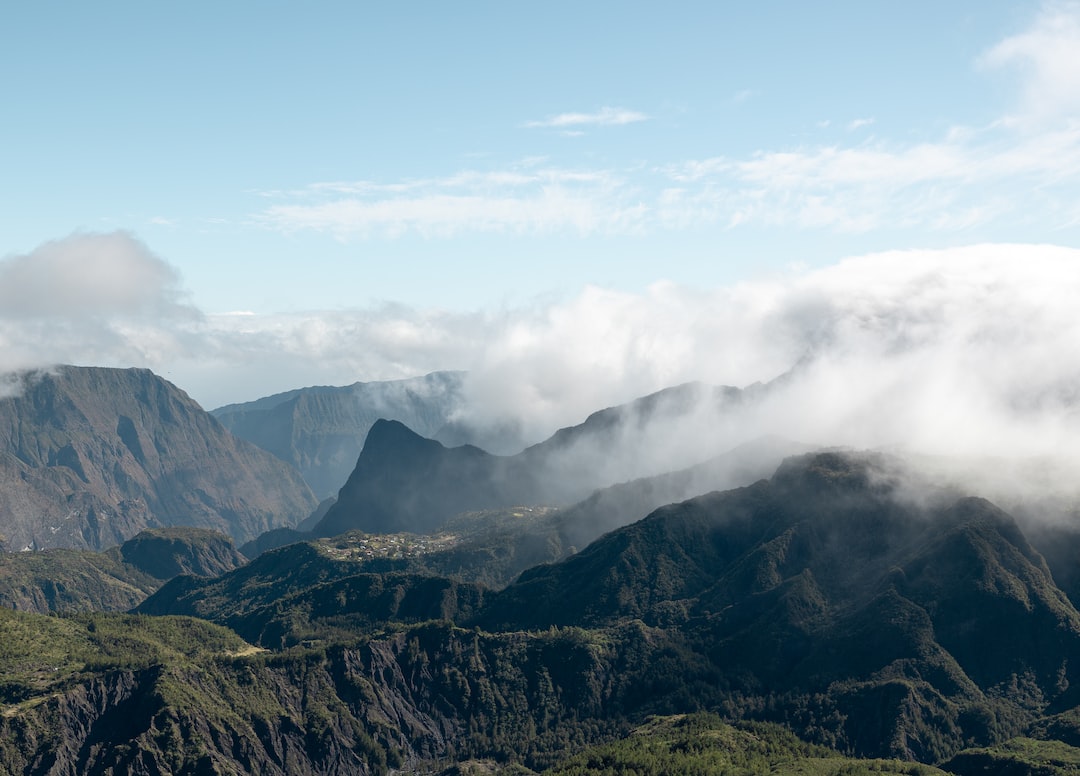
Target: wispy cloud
column 528, row 200
column 605, row 117
column 1047, row 57
column 964, row 179
column 1022, row 169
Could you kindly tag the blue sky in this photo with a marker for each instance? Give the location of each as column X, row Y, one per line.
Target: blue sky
column 429, row 180
column 295, row 157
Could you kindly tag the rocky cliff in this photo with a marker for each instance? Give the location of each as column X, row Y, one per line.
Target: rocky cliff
column 91, row 456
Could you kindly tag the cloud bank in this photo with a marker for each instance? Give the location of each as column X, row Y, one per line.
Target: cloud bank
column 961, row 351
column 92, row 299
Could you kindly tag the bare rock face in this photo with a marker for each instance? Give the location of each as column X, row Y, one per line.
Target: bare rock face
column 91, row 456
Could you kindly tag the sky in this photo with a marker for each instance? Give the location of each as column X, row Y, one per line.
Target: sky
column 578, row 203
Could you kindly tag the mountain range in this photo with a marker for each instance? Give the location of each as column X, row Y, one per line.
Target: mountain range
column 405, row 482
column 823, row 599
column 320, row 430
column 61, row 581
column 636, row 593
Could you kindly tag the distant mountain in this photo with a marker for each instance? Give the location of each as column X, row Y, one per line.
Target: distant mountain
column 320, row 430
column 91, row 456
column 65, row 580
column 493, row 546
column 405, row 482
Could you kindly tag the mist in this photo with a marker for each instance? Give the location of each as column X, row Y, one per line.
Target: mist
column 968, row 351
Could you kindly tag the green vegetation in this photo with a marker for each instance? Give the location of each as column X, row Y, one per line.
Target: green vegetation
column 66, row 581
column 71, row 580
column 1018, row 757
column 811, row 625
column 704, row 744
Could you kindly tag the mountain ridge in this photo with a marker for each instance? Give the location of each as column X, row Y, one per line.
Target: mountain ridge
column 404, row 482
column 89, row 456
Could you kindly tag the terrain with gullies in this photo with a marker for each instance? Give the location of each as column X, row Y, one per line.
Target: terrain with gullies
column 90, row 456
column 802, row 621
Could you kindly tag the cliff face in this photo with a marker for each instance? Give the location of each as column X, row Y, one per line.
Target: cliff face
column 91, row 456
column 320, row 430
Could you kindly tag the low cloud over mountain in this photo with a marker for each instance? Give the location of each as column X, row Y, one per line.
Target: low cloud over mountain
column 966, row 350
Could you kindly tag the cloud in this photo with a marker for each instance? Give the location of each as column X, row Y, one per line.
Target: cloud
column 1047, row 58
column 966, row 179
column 87, row 274
column 967, row 351
column 516, row 201
column 605, row 117
column 90, row 298
column 1020, row 170
column 961, row 350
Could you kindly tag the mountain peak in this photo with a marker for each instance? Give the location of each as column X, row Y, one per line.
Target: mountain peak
column 90, row 456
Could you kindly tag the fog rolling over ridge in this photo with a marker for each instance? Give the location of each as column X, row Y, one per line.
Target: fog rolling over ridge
column 321, row 430
column 956, row 352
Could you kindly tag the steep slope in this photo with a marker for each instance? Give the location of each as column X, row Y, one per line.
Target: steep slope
column 404, row 482
column 914, row 622
column 320, row 430
column 165, row 553
column 65, row 580
column 91, row 456
column 841, row 598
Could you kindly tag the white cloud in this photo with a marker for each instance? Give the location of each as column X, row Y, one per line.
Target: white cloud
column 987, row 332
column 962, row 351
column 88, row 274
column 969, row 177
column 1047, row 56
column 965, row 179
column 91, row 298
column 1020, row 170
column 605, row 117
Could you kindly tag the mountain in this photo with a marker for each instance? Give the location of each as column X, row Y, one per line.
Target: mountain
column 844, row 598
column 91, row 456
column 164, row 553
column 405, row 482
column 320, row 430
column 118, row 579
column 911, row 621
column 493, row 546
